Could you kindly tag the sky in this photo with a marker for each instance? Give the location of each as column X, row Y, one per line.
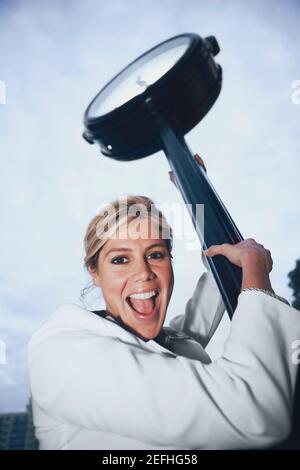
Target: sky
column 54, row 57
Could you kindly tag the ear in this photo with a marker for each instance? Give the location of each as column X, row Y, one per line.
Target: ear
column 95, row 276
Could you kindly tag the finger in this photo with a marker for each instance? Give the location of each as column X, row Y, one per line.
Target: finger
column 208, row 251
column 270, row 260
column 215, row 250
column 270, row 265
column 200, row 161
column 172, row 178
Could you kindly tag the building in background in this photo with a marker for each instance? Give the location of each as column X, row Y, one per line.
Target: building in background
column 17, row 431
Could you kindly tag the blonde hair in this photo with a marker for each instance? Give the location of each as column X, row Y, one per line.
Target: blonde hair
column 123, row 210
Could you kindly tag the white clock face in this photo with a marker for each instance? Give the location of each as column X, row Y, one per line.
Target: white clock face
column 137, row 77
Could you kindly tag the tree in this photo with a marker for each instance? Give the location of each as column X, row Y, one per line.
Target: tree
column 294, row 283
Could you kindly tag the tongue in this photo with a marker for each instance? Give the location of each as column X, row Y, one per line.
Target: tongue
column 142, row 306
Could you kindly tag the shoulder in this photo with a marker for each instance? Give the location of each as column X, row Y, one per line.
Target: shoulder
column 66, row 320
column 72, row 315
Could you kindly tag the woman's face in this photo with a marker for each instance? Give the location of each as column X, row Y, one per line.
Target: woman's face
column 136, row 278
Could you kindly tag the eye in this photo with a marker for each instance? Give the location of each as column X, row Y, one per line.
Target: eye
column 156, row 255
column 119, row 260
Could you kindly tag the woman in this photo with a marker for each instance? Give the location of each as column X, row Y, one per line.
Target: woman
column 116, row 379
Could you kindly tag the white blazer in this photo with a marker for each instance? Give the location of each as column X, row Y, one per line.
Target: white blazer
column 96, row 385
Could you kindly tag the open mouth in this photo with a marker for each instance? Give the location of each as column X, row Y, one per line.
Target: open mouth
column 143, row 306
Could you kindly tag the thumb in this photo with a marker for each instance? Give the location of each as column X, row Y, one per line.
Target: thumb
column 212, row 250
column 207, row 252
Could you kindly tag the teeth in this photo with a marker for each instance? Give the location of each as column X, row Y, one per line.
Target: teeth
column 143, row 295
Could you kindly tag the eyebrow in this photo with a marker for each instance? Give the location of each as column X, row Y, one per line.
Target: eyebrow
column 130, row 249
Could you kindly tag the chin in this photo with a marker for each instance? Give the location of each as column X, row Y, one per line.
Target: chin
column 145, row 331
column 150, row 328
column 148, row 335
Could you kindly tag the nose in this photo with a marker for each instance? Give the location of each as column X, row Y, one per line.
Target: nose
column 143, row 271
